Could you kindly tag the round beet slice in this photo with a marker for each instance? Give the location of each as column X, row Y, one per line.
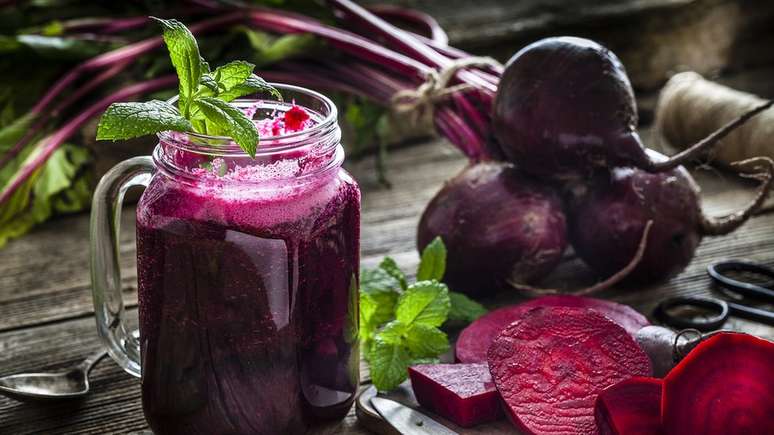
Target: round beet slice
column 550, row 366
column 725, row 385
column 630, row 407
column 474, row 341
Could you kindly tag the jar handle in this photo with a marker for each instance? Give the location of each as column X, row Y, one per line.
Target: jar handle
column 122, row 345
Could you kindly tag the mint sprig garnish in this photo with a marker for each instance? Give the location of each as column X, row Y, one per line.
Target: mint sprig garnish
column 202, row 105
column 400, row 322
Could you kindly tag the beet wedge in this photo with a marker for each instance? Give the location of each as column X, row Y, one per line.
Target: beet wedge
column 550, row 367
column 463, row 393
column 474, row 341
column 630, row 407
column 723, row 386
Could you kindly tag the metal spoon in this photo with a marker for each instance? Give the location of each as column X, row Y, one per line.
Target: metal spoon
column 68, row 384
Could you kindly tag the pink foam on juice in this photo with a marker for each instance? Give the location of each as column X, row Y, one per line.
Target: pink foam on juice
column 246, row 284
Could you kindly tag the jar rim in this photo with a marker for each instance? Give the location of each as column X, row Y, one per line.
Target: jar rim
column 224, row 146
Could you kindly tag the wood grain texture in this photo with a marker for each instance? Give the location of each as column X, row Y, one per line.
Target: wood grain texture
column 46, row 317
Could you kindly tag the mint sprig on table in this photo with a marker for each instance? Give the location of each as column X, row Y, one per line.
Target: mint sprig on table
column 399, row 322
column 203, row 103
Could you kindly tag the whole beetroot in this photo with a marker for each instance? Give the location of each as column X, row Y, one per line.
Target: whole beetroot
column 498, row 227
column 607, row 224
column 564, row 106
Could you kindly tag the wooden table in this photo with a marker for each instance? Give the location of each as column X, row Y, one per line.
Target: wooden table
column 46, row 318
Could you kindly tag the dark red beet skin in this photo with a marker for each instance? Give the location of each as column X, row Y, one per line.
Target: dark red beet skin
column 630, row 407
column 550, row 367
column 498, row 227
column 723, row 386
column 463, row 393
column 564, row 106
column 607, row 225
column 473, row 343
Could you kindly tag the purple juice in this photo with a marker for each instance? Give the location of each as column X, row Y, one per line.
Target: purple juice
column 248, row 300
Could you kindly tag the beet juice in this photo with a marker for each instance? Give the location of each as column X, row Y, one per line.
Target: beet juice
column 248, row 277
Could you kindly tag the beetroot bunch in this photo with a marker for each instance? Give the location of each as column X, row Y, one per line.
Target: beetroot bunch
column 573, row 170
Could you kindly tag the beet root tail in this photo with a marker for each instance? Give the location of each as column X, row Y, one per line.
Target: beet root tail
column 623, row 273
column 705, row 144
column 717, row 226
column 602, row 285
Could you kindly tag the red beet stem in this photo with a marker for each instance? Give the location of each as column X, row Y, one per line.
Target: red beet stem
column 103, row 26
column 45, row 116
column 404, row 41
column 360, row 47
column 123, row 56
column 49, row 144
column 414, row 17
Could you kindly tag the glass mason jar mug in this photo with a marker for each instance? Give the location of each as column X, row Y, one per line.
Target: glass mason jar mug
column 247, row 277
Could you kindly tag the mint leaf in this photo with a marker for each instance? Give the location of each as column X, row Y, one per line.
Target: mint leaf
column 389, row 364
column 464, row 309
column 426, row 341
column 208, row 81
column 425, row 302
column 433, row 262
column 391, row 268
column 232, row 74
column 229, row 120
column 368, row 323
column 184, row 53
column 252, row 85
column 382, row 278
column 128, row 120
column 392, row 332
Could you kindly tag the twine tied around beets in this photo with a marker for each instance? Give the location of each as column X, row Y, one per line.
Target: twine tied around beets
column 436, row 87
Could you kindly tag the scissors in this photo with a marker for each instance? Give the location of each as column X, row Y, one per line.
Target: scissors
column 722, row 309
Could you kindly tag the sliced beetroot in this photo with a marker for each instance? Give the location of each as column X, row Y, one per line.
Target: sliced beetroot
column 473, row 342
column 550, row 366
column 723, row 386
column 463, row 393
column 630, row 407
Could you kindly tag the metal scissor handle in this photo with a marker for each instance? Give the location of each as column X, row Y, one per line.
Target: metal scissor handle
column 718, row 306
column 722, row 308
column 717, row 271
